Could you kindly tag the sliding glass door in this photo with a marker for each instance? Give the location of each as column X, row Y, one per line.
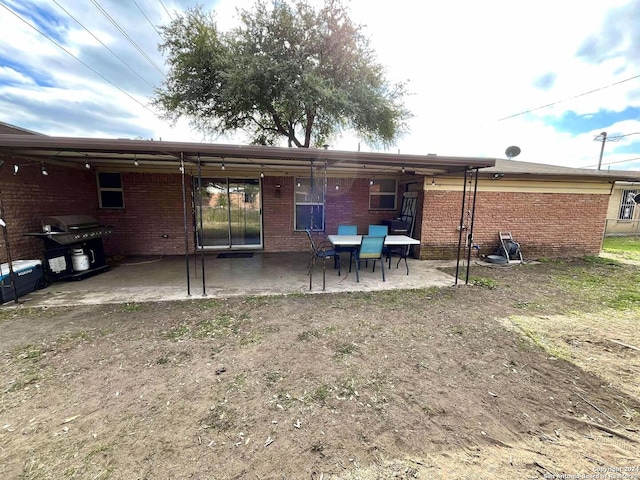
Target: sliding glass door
column 231, row 213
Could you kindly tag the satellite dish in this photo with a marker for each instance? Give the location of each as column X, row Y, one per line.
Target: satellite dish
column 512, row 151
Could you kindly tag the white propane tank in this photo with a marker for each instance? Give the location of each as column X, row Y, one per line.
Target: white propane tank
column 79, row 260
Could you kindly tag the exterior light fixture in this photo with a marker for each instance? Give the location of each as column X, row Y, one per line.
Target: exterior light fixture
column 403, row 170
column 87, row 166
column 222, row 166
column 135, row 160
column 498, row 175
column 262, row 172
column 371, row 181
column 44, row 170
column 433, row 182
column 337, row 187
column 15, row 169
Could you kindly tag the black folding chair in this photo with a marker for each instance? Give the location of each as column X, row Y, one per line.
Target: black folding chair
column 322, row 250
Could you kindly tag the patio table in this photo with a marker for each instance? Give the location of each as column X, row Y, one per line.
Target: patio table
column 389, row 241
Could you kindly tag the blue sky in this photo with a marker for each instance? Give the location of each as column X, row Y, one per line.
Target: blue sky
column 547, row 76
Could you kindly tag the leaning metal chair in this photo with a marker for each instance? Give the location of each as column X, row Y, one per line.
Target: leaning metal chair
column 370, row 249
column 348, row 230
column 322, row 250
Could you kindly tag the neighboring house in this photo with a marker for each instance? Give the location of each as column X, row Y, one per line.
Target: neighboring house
column 173, row 198
column 623, row 214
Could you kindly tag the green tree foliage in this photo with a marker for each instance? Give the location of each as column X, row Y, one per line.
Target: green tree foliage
column 289, row 70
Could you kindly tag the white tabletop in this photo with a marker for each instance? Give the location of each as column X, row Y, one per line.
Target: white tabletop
column 355, row 240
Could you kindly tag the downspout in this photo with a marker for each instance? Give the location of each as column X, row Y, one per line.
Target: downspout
column 186, row 228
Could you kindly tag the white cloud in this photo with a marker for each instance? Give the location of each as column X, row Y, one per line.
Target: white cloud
column 9, row 75
column 468, row 63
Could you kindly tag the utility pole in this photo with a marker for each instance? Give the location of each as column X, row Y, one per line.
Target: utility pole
column 604, row 139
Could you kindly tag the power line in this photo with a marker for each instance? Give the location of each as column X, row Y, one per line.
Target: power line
column 101, row 43
column 615, row 138
column 145, row 16
column 71, row 54
column 570, row 98
column 165, row 9
column 618, row 161
column 121, row 30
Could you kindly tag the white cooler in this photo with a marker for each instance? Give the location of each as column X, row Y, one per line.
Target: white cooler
column 28, row 275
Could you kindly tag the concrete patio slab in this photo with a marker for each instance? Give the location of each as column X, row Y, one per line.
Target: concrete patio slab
column 147, row 279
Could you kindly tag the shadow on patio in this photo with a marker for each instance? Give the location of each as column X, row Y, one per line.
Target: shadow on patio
column 151, row 279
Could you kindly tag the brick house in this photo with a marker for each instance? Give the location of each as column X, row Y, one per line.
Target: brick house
column 171, row 197
column 552, row 211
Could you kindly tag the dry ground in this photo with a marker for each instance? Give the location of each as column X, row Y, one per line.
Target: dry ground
column 532, row 372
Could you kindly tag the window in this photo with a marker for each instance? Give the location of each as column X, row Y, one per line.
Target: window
column 627, row 205
column 382, row 194
column 309, row 204
column 110, row 190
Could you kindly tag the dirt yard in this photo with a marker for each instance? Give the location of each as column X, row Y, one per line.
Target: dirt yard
column 532, row 372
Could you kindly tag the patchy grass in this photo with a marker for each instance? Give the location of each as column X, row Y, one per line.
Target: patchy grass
column 209, row 304
column 308, row 335
column 489, row 283
column 622, row 244
column 132, row 307
column 457, row 330
column 600, row 260
column 526, row 305
column 626, row 248
column 345, row 349
column 538, row 340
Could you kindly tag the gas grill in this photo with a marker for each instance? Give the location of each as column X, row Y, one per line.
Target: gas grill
column 68, row 229
column 73, row 246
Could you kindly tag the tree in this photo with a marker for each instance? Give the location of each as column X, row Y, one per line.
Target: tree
column 288, row 70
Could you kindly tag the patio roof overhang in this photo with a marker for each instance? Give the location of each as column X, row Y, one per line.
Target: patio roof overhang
column 162, row 156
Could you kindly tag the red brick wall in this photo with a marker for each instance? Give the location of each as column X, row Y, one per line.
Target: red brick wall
column 545, row 224
column 153, row 208
column 29, row 196
column 348, row 204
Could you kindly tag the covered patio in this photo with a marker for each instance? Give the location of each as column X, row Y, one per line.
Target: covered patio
column 155, row 279
column 160, row 184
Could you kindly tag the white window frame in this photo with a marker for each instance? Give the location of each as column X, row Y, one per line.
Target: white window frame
column 373, row 193
column 319, row 195
column 109, row 189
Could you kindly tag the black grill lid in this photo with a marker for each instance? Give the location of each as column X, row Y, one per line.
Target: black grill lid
column 69, row 223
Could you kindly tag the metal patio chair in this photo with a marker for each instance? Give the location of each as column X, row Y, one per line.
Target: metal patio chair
column 380, row 231
column 370, row 249
column 348, row 230
column 322, row 250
